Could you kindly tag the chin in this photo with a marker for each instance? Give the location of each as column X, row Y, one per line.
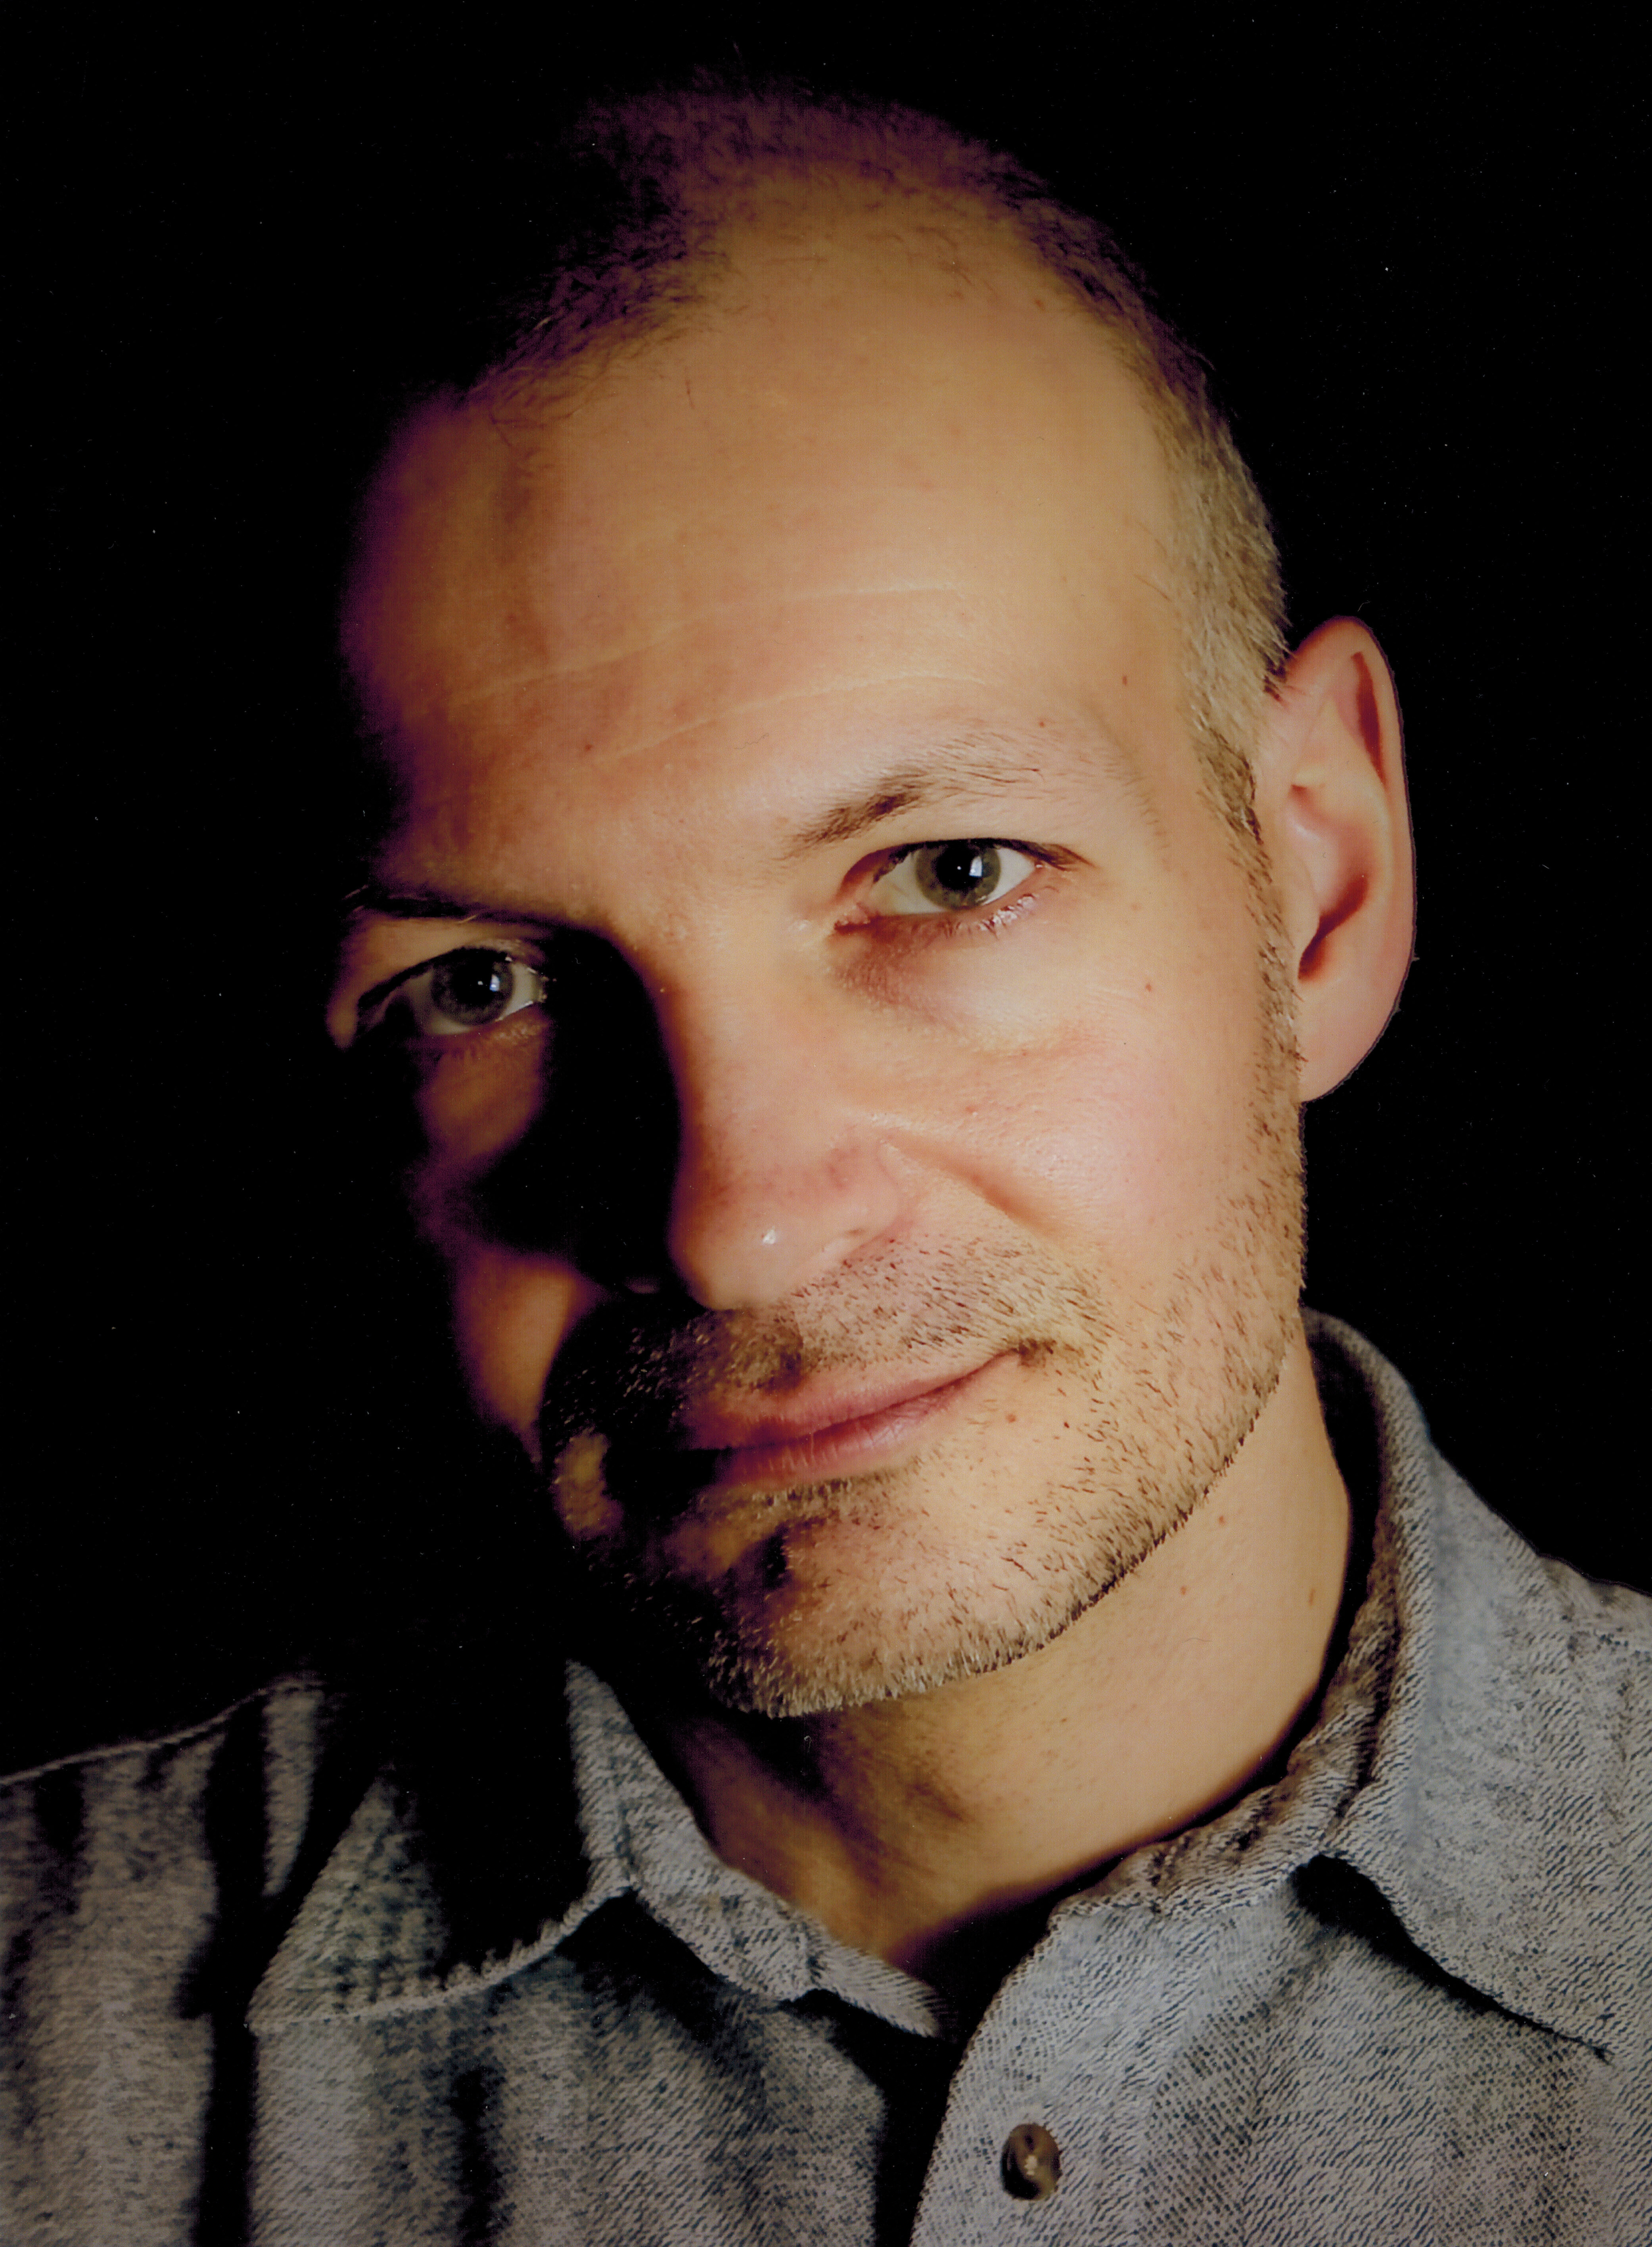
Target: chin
column 836, row 1610
column 811, row 1660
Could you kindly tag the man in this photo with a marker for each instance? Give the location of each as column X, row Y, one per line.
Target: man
column 864, row 897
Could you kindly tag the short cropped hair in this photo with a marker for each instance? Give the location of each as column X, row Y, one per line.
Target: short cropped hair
column 644, row 185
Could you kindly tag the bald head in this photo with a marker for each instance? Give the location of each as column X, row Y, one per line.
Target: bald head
column 673, row 208
column 814, row 466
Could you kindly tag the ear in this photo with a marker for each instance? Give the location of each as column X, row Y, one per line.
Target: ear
column 1332, row 807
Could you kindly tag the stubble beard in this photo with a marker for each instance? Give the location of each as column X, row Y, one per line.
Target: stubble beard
column 978, row 1566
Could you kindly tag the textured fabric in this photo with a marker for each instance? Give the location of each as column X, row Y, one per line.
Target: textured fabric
column 1403, row 1994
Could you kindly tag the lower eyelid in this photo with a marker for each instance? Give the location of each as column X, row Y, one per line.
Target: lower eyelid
column 944, row 928
column 528, row 1025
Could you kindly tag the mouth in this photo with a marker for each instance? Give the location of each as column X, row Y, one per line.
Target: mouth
column 826, row 1430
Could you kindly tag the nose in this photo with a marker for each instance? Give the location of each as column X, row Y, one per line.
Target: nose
column 723, row 1142
column 782, row 1172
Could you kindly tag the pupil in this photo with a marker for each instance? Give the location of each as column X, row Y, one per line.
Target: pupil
column 958, row 873
column 471, row 986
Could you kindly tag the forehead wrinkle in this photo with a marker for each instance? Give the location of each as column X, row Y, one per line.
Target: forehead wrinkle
column 543, row 674
column 618, row 754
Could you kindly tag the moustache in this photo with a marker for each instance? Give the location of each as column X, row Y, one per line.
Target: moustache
column 634, row 1369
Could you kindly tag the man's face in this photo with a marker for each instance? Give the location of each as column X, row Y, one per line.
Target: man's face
column 861, row 1095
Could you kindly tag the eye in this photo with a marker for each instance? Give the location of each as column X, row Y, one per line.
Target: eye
column 950, row 878
column 467, row 990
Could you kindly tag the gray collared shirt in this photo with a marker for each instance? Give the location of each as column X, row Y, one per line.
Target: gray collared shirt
column 1404, row 1993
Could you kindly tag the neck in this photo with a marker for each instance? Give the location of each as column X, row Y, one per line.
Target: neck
column 936, row 1832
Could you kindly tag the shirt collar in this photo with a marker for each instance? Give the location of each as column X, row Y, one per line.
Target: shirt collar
column 1499, row 1817
column 377, row 1932
column 1465, row 1762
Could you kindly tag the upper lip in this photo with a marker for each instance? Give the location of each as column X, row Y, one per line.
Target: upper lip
column 736, row 1424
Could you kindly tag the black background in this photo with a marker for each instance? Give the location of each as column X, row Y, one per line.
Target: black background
column 1405, row 251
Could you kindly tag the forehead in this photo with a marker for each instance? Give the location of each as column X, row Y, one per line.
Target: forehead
column 859, row 494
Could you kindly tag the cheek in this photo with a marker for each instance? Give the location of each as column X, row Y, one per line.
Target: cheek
column 511, row 1313
column 511, row 1308
column 478, row 1101
column 1129, row 1121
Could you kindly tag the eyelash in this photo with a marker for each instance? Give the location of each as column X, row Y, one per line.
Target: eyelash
column 938, row 927
column 925, row 929
column 374, row 1007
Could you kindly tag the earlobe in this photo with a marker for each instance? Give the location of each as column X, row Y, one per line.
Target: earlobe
column 1332, row 804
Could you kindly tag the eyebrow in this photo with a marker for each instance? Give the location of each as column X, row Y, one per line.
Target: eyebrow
column 967, row 768
column 915, row 787
column 418, row 903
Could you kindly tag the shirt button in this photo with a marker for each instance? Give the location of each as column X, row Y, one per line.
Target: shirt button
column 1031, row 2165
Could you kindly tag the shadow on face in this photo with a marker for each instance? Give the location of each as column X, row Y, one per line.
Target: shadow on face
column 591, row 1179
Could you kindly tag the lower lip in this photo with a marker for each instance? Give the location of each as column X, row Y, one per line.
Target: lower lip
column 848, row 1446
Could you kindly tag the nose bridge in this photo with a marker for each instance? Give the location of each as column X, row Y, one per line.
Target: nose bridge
column 780, row 1171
